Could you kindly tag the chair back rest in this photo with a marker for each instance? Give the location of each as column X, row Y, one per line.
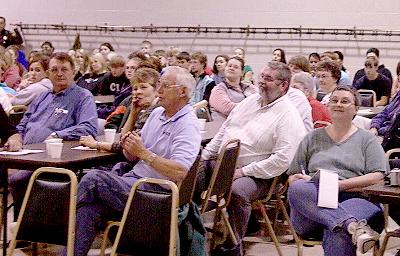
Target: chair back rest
column 320, row 95
column 393, row 156
column 49, row 209
column 149, row 223
column 186, row 189
column 16, row 113
column 222, row 178
column 204, row 113
column 368, row 98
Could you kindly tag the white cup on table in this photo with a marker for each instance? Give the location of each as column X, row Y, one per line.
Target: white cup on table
column 55, row 149
column 394, row 176
column 48, row 141
column 109, row 135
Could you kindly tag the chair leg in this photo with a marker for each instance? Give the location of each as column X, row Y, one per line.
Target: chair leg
column 34, row 249
column 105, row 236
column 271, row 230
column 296, row 238
column 228, row 225
column 384, row 244
column 217, row 217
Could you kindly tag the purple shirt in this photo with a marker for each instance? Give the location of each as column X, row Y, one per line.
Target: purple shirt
column 176, row 138
column 70, row 113
column 383, row 120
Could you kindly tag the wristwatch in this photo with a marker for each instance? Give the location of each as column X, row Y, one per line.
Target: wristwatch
column 54, row 135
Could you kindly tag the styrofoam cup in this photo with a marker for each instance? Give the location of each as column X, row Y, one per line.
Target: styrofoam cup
column 109, row 135
column 55, row 149
column 55, row 140
column 202, row 124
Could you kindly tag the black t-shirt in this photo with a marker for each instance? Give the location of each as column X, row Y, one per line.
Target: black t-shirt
column 381, row 70
column 381, row 85
column 92, row 82
column 112, row 85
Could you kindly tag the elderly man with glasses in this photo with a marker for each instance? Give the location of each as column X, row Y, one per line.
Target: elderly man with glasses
column 166, row 149
column 270, row 129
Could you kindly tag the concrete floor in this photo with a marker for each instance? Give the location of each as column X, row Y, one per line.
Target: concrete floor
column 258, row 245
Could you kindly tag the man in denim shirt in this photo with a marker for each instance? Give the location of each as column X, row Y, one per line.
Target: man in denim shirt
column 67, row 112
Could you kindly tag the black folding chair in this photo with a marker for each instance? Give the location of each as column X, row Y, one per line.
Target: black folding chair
column 150, row 221
column 48, row 211
column 221, row 186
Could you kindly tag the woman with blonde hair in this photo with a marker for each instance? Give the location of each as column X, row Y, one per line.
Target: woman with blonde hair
column 93, row 80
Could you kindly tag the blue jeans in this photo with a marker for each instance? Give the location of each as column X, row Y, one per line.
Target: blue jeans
column 99, row 194
column 308, row 219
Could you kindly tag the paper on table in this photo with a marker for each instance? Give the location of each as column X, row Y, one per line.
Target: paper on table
column 22, row 152
column 368, row 110
column 84, row 148
column 328, row 192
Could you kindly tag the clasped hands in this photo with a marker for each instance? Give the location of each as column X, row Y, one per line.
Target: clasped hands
column 132, row 146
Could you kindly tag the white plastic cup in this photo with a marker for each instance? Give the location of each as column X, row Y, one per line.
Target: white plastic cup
column 109, row 135
column 202, row 124
column 394, row 176
column 55, row 149
column 48, row 141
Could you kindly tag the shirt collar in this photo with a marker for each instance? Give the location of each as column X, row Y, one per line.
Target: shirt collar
column 183, row 111
column 66, row 91
column 280, row 99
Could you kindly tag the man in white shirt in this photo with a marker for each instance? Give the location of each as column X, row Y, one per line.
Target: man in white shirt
column 270, row 129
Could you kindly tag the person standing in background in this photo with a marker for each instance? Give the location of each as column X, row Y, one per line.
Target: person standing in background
column 7, row 37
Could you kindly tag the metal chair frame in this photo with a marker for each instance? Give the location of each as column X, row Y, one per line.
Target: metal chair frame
column 72, row 206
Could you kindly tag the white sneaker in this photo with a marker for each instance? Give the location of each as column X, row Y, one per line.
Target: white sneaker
column 362, row 235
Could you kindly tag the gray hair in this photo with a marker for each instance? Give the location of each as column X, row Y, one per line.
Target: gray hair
column 182, row 77
column 283, row 69
column 305, row 79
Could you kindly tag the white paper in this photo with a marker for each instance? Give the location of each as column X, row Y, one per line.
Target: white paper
column 364, row 111
column 22, row 152
column 328, row 194
column 84, row 148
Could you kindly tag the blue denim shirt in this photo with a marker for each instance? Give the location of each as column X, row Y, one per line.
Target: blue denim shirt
column 70, row 113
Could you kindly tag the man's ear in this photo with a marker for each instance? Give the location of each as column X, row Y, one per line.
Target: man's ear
column 183, row 91
column 285, row 86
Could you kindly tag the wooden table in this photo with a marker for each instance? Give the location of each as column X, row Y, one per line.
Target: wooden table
column 380, row 193
column 371, row 113
column 104, row 99
column 74, row 160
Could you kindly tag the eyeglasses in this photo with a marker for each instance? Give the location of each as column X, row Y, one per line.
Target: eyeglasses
column 263, row 80
column 323, row 76
column 342, row 101
column 167, row 86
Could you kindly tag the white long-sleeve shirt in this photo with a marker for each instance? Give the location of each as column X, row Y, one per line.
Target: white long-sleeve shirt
column 269, row 136
column 300, row 101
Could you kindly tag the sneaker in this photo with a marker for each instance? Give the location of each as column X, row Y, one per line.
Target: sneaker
column 362, row 235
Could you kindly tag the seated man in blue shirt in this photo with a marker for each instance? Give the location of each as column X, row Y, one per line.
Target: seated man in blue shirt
column 166, row 149
column 67, row 112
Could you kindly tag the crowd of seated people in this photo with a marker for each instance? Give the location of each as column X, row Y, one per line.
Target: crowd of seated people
column 270, row 113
